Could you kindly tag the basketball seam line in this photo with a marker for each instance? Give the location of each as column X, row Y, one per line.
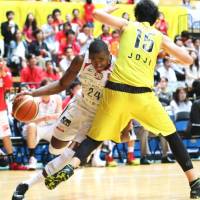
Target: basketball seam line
column 22, row 105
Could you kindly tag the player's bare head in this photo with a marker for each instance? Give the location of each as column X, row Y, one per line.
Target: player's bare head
column 99, row 55
column 146, row 11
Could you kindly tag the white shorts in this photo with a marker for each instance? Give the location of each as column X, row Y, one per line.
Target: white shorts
column 4, row 124
column 74, row 123
column 43, row 132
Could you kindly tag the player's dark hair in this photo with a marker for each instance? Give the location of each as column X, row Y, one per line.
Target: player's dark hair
column 98, row 46
column 146, row 11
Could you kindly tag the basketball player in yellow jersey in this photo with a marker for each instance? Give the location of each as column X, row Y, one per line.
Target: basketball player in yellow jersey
column 128, row 93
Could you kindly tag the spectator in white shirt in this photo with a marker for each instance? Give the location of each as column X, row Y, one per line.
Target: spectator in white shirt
column 49, row 35
column 180, row 102
column 167, row 71
column 66, row 61
column 85, row 38
column 193, row 71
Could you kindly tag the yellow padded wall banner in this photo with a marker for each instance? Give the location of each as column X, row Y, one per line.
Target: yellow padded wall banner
column 42, row 9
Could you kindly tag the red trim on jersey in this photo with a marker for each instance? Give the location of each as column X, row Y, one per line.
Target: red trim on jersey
column 5, row 84
column 86, row 64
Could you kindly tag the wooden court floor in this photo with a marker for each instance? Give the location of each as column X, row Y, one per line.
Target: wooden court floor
column 154, row 182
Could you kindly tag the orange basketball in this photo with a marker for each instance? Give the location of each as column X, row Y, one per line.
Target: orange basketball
column 25, row 108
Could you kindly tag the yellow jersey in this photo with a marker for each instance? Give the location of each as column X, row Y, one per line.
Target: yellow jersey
column 139, row 46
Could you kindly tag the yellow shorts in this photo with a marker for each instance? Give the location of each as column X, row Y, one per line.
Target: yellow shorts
column 117, row 108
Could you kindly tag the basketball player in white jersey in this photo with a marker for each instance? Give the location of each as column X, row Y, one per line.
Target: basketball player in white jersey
column 50, row 108
column 75, row 121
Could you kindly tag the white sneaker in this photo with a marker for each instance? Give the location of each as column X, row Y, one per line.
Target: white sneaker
column 98, row 163
column 32, row 163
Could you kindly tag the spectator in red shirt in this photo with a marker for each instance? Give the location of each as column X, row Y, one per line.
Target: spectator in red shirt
column 50, row 71
column 88, row 8
column 74, row 89
column 5, row 133
column 69, row 40
column 32, row 73
column 30, row 27
column 61, row 37
column 161, row 24
column 57, row 21
column 76, row 19
column 105, row 36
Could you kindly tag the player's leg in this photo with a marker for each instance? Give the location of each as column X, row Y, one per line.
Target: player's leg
column 156, row 120
column 110, row 162
column 96, row 160
column 51, row 168
column 107, row 125
column 73, row 127
column 5, row 134
column 65, row 128
column 30, row 133
column 131, row 160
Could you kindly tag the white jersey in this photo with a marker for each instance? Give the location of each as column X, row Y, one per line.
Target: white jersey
column 48, row 108
column 92, row 84
column 75, row 121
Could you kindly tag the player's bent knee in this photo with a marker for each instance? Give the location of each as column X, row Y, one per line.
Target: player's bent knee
column 55, row 151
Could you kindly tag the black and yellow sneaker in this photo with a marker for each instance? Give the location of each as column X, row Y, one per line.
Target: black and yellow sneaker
column 20, row 191
column 52, row 181
column 195, row 189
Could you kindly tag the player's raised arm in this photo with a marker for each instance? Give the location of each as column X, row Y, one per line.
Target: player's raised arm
column 104, row 16
column 63, row 83
column 180, row 54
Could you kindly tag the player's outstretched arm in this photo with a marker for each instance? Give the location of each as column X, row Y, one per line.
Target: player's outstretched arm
column 104, row 17
column 63, row 83
column 180, row 54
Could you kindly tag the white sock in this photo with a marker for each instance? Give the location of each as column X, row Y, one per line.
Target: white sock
column 96, row 155
column 59, row 162
column 36, row 178
column 111, row 145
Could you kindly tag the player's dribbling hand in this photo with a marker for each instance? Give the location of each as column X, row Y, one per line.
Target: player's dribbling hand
column 22, row 94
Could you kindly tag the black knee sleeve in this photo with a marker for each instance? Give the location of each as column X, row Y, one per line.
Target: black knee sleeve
column 179, row 151
column 85, row 149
